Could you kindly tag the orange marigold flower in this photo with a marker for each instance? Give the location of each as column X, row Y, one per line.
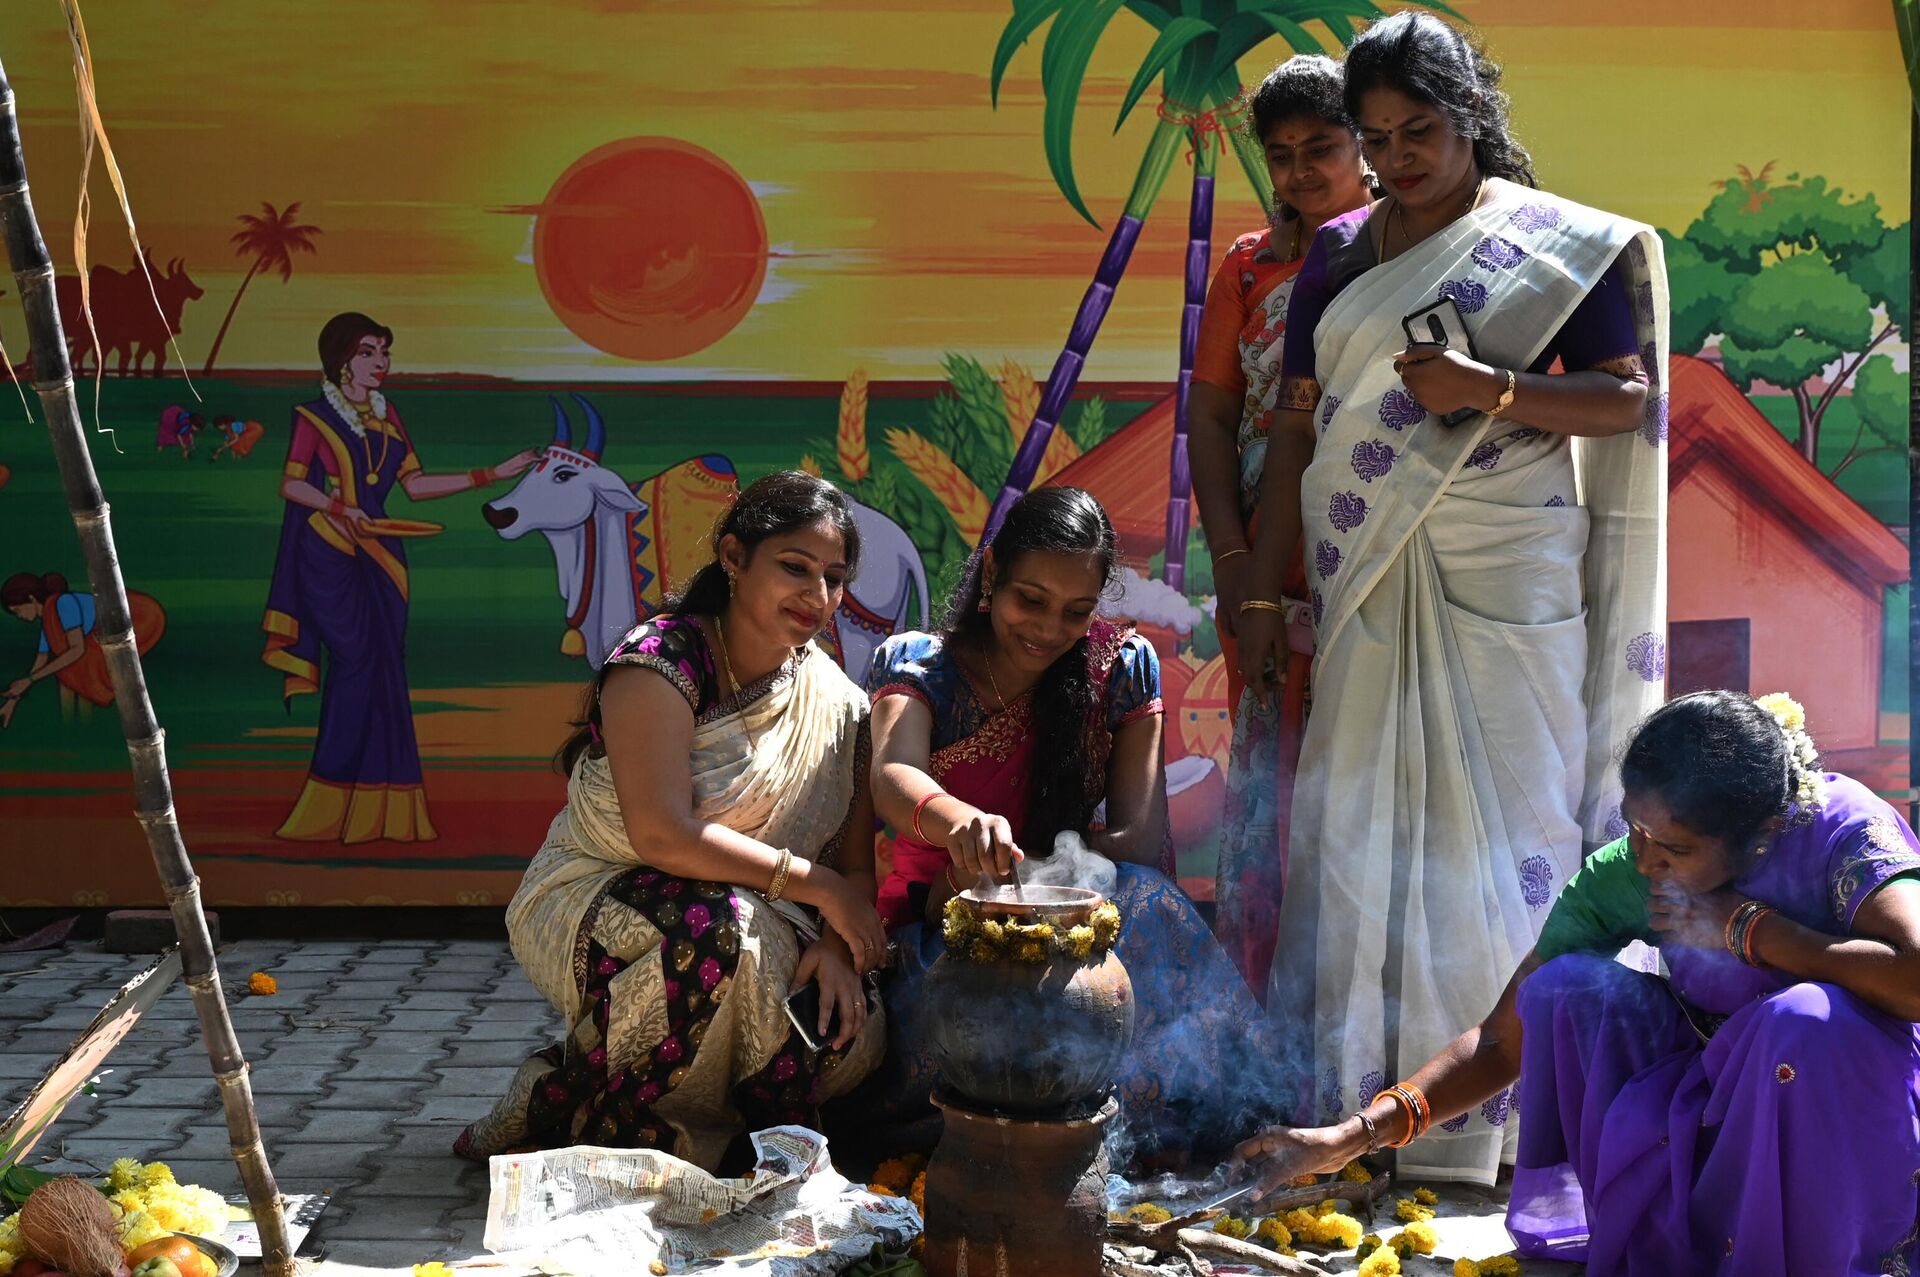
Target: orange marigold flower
column 262, row 984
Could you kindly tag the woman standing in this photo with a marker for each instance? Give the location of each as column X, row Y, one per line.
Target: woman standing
column 340, row 583
column 1010, row 727
column 1488, row 594
column 1753, row 1114
column 1313, row 157
column 69, row 651
column 717, row 784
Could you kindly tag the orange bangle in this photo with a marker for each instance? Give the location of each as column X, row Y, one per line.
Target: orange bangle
column 1419, row 1114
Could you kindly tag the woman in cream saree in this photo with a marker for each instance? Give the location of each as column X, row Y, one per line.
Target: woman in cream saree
column 1488, row 596
column 670, row 941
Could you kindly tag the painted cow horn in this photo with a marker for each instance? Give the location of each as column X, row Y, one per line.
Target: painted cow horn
column 596, row 429
column 562, row 428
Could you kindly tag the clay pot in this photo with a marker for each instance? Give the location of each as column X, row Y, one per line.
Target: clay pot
column 1012, row 1196
column 1030, row 1038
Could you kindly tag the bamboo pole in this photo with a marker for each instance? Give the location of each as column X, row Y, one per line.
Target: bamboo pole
column 146, row 742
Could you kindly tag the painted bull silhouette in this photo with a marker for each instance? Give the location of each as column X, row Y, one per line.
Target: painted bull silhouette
column 616, row 545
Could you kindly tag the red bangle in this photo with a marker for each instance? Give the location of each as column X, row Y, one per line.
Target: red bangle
column 480, row 478
column 1753, row 925
column 920, row 807
column 952, row 886
column 336, row 507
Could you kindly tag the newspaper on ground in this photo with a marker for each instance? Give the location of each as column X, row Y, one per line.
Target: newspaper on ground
column 576, row 1210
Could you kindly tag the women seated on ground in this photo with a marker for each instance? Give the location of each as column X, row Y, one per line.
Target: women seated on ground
column 717, row 782
column 1752, row 1112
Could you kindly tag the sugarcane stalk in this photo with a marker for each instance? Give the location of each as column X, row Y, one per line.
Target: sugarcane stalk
column 146, row 742
column 1199, row 258
column 1154, row 167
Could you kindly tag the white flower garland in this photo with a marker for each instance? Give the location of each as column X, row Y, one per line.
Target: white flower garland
column 348, row 411
column 1809, row 790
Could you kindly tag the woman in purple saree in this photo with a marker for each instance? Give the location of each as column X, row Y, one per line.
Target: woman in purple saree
column 1756, row 1110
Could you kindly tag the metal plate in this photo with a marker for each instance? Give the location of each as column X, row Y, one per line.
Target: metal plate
column 222, row 1255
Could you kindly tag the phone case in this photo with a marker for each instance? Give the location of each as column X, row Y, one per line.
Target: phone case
column 1441, row 324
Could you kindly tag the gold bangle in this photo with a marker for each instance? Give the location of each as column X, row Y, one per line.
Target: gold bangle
column 1261, row 605
column 779, row 883
column 1224, row 555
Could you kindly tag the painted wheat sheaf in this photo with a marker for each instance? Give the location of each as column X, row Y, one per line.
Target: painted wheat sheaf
column 948, row 483
column 1022, row 395
column 850, row 440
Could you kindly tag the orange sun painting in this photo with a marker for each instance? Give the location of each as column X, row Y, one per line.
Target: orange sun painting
column 650, row 248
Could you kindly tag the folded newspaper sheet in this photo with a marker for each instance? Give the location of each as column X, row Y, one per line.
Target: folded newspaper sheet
column 591, row 1210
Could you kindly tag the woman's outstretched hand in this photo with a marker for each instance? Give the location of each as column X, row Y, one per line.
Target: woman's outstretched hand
column 1280, row 1154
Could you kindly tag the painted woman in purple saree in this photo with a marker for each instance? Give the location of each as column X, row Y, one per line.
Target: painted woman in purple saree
column 340, row 584
column 1757, row 1109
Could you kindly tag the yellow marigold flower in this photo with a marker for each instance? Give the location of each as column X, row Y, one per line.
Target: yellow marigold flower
column 1080, row 941
column 434, row 1269
column 993, row 932
column 1411, row 1212
column 156, row 1173
column 1340, row 1230
column 1326, row 1207
column 1354, row 1173
column 139, row 1228
column 1368, row 1244
column 7, row 1260
column 1464, row 1267
column 918, row 1193
column 1149, row 1213
column 129, row 1200
column 1301, row 1181
column 261, row 984
column 1381, row 1263
column 1033, row 951
column 1500, row 1266
column 1419, row 1236
column 1274, row 1233
column 1228, row 1226
column 985, row 952
column 1426, row 1197
column 124, row 1173
column 899, row 1170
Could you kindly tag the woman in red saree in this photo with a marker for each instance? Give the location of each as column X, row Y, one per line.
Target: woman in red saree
column 69, row 651
column 1025, row 718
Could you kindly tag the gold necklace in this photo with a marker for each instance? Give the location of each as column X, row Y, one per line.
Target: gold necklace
column 720, row 633
column 371, row 424
column 994, row 683
column 1406, row 238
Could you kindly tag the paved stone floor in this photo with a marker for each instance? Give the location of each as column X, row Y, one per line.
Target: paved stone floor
column 365, row 1065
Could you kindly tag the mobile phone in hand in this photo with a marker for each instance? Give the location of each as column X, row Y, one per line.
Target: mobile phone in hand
column 803, row 1011
column 1442, row 324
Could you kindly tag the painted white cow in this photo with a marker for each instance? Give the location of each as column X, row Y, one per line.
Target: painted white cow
column 601, row 533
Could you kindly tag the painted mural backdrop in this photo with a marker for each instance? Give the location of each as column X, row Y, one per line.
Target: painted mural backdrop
column 636, row 254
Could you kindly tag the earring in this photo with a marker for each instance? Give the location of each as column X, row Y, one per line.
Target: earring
column 346, row 374
column 986, row 599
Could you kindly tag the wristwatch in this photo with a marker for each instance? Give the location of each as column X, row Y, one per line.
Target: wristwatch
column 1506, row 396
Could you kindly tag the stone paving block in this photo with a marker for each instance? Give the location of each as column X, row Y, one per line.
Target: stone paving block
column 305, row 959
column 217, row 1173
column 386, row 988
column 272, row 1078
column 494, row 1012
column 540, row 1031
column 423, row 1141
column 376, row 1067
column 473, row 946
column 430, row 1000
column 45, row 1045
column 167, row 1092
column 410, row 1041
column 387, row 955
column 429, row 1177
column 276, row 1112
column 483, row 963
column 305, row 1167
column 453, row 1111
column 427, row 1019
column 490, row 1054
column 344, row 1009
column 467, row 982
column 317, row 1047
column 332, row 1126
column 513, row 987
column 96, row 1155
column 207, row 1144
column 461, row 1080
column 18, row 1006
column 144, row 1126
column 395, row 1219
column 394, row 1097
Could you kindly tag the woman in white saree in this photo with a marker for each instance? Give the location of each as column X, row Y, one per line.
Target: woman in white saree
column 717, row 784
column 1488, row 595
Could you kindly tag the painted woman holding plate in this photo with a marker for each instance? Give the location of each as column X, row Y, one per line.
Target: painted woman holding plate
column 1483, row 535
column 340, row 583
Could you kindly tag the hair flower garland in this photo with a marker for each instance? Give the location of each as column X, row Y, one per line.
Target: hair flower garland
column 1803, row 760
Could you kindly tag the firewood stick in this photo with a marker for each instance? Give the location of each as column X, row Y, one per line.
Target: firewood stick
column 1217, row 1244
column 1361, row 1195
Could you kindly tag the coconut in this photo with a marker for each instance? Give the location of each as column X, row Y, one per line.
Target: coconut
column 70, row 1224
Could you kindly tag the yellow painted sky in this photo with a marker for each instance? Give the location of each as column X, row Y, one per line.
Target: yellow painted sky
column 916, row 219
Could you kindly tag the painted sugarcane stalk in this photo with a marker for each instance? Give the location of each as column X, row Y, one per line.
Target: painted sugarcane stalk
column 1199, row 257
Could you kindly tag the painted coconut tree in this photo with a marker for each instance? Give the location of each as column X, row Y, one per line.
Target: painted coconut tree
column 1202, row 105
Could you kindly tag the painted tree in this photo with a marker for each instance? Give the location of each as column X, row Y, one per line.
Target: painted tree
column 271, row 237
column 1798, row 281
column 1194, row 58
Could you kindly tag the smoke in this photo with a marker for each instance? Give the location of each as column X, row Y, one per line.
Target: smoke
column 1152, row 603
column 1072, row 864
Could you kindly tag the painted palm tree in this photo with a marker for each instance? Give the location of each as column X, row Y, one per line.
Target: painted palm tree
column 1194, row 58
column 271, row 237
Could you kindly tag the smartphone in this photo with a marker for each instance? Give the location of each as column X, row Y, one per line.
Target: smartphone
column 1441, row 324
column 803, row 1010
